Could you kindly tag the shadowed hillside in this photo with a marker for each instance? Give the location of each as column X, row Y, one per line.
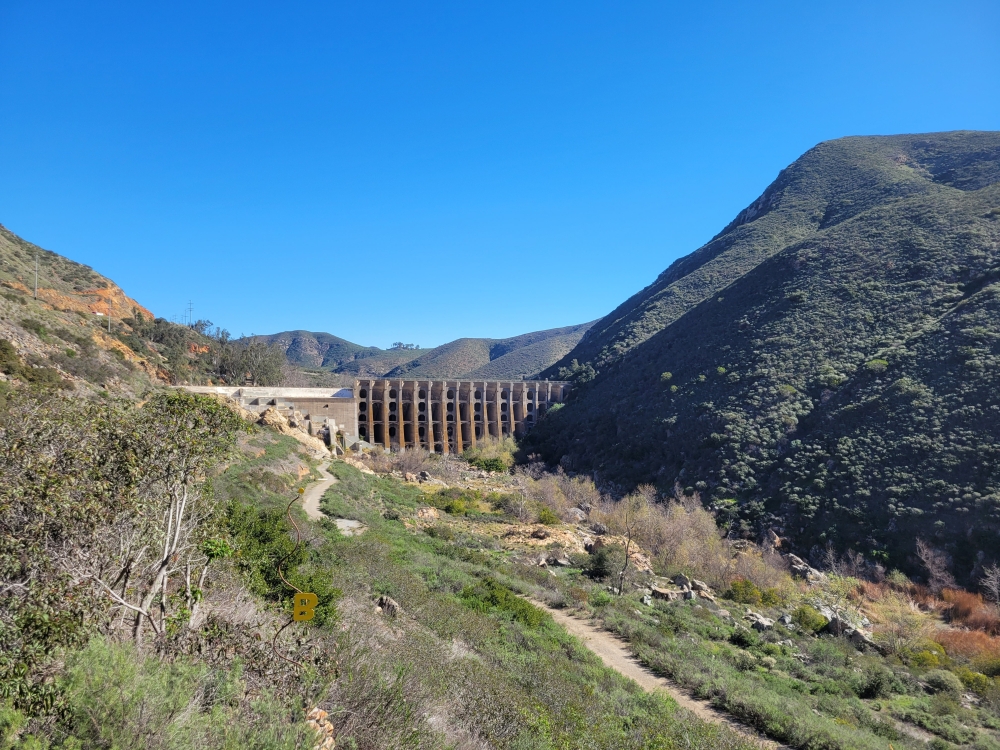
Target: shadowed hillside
column 827, row 365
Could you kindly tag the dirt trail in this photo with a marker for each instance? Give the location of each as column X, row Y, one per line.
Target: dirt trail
column 311, row 498
column 615, row 654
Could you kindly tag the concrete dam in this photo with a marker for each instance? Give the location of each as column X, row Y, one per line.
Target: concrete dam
column 442, row 416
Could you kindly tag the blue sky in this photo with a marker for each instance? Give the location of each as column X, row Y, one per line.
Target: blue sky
column 425, row 171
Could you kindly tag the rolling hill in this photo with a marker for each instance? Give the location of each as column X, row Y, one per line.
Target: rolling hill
column 827, row 365
column 511, row 358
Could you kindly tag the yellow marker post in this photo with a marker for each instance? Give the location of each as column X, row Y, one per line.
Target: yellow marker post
column 304, row 606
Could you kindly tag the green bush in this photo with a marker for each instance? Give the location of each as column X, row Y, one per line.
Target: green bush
column 497, row 465
column 743, row 591
column 600, row 598
column 490, row 594
column 809, row 618
column 772, row 597
column 547, row 517
column 942, row 681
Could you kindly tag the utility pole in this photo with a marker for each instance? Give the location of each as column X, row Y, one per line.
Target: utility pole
column 190, row 310
column 36, row 275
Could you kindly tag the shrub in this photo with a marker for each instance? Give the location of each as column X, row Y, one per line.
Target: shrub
column 809, row 618
column 875, row 682
column 496, row 465
column 547, row 517
column 490, row 594
column 600, row 598
column 942, row 681
column 745, row 638
column 744, row 661
column 744, row 592
column 604, row 561
column 877, row 365
column 772, row 597
column 975, row 681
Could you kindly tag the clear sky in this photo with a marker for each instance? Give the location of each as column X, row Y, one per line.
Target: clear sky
column 425, row 171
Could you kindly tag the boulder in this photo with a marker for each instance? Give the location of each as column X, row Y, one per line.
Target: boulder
column 682, row 580
column 648, row 601
column 785, row 619
column 388, row 605
column 541, row 533
column 687, row 594
column 758, row 621
column 697, row 585
column 410, row 477
column 665, row 594
column 599, row 529
column 575, row 515
column 802, row 569
column 861, row 639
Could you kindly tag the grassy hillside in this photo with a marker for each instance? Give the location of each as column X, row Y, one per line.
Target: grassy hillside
column 827, row 365
column 510, row 358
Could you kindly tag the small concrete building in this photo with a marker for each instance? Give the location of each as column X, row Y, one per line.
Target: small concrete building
column 442, row 416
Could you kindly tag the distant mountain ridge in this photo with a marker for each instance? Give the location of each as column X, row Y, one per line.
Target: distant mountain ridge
column 492, row 359
column 828, row 365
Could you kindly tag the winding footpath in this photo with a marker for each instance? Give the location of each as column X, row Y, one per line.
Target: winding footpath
column 611, row 650
column 312, row 496
column 615, row 654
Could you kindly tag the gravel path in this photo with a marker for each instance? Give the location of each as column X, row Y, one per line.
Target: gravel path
column 311, row 498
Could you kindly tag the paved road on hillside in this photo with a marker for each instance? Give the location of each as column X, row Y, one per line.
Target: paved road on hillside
column 615, row 654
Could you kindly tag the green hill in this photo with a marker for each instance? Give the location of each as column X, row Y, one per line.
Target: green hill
column 511, row 358
column 827, row 365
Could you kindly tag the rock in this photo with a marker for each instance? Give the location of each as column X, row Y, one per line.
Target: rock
column 599, row 528
column 861, row 639
column 687, row 594
column 682, row 580
column 424, row 476
column 563, row 562
column 705, row 595
column 540, row 533
column 771, row 540
column 785, row 619
column 699, row 586
column 575, row 515
column 410, row 477
column 588, row 544
column 389, row 605
column 648, row 601
column 723, row 613
column 428, row 513
column 586, row 507
column 665, row 594
column 758, row 621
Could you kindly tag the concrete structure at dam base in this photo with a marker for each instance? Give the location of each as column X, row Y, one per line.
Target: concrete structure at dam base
column 442, row 416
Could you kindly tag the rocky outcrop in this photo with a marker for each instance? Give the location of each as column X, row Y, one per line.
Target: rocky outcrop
column 317, row 719
column 802, row 569
column 276, row 421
